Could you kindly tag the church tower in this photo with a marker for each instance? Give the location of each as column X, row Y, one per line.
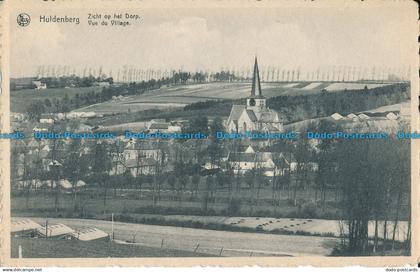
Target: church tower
column 256, row 101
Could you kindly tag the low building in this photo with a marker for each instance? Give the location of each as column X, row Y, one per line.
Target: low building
column 56, row 231
column 336, row 116
column 42, row 127
column 89, row 234
column 352, row 116
column 392, row 116
column 155, row 127
column 24, row 227
column 39, row 85
column 47, row 118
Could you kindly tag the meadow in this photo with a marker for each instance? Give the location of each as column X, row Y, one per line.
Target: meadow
column 51, row 248
column 20, row 100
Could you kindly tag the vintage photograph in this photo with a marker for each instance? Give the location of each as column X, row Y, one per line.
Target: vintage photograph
column 219, row 131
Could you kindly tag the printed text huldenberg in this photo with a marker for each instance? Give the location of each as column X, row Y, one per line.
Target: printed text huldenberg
column 59, row 19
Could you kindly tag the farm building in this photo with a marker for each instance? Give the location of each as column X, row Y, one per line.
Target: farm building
column 89, row 234
column 363, row 116
column 336, row 116
column 24, row 227
column 155, row 127
column 57, row 231
column 352, row 116
column 392, row 116
column 17, row 117
column 39, row 85
column 75, row 115
column 42, row 127
column 47, row 118
column 254, row 115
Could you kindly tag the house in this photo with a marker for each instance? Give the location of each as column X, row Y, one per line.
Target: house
column 44, row 151
column 249, row 149
column 242, row 162
column 17, row 117
column 39, row 85
column 141, row 166
column 47, row 118
column 174, row 128
column 155, row 127
column 65, row 184
column 255, row 115
column 76, row 115
column 42, row 127
column 48, row 164
column 80, row 184
column 270, row 164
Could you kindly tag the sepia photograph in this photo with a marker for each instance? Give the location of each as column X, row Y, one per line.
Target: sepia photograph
column 208, row 131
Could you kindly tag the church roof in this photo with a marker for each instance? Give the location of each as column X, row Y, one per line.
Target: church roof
column 256, row 85
column 268, row 116
column 270, row 128
column 252, row 115
column 241, row 157
column 236, row 112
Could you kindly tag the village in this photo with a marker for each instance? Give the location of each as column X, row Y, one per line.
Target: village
column 284, row 177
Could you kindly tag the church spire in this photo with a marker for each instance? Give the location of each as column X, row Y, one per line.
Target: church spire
column 256, row 86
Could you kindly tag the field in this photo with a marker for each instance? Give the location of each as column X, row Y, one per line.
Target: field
column 176, row 96
column 211, row 242
column 20, row 100
column 129, row 202
column 50, row 248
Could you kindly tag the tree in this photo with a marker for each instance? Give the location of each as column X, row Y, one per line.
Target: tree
column 195, row 181
column 75, row 167
column 303, row 155
column 370, row 172
column 198, row 124
column 47, row 103
column 101, row 165
column 35, row 110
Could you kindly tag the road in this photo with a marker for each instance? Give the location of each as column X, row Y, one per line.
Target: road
column 224, row 243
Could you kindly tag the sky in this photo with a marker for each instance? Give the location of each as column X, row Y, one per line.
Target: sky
column 214, row 38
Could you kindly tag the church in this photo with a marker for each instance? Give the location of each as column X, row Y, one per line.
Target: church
column 254, row 116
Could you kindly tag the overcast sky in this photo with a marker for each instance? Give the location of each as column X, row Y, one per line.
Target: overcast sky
column 203, row 39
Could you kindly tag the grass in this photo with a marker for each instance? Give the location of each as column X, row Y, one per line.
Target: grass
column 127, row 201
column 50, row 248
column 20, row 100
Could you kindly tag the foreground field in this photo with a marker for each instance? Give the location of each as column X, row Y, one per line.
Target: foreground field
column 210, row 242
column 129, row 201
column 50, row 248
